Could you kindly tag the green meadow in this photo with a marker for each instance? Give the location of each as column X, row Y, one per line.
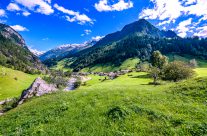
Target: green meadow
column 125, row 106
column 13, row 82
column 127, row 64
column 186, row 58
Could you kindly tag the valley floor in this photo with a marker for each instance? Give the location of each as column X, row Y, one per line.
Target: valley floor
column 124, row 106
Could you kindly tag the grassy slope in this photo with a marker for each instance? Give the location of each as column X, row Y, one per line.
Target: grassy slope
column 125, row 106
column 61, row 65
column 127, row 64
column 9, row 87
column 187, row 58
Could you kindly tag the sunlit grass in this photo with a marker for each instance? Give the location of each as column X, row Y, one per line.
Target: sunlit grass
column 124, row 106
column 13, row 82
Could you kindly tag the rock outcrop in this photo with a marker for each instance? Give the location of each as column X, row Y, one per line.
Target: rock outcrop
column 38, row 88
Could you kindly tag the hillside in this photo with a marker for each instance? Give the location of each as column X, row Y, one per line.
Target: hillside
column 141, row 47
column 135, row 40
column 15, row 54
column 124, row 106
column 13, row 82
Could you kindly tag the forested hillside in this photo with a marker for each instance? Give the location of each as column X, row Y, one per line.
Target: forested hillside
column 15, row 54
column 141, row 47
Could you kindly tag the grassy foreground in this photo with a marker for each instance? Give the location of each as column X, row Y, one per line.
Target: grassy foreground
column 13, row 82
column 125, row 106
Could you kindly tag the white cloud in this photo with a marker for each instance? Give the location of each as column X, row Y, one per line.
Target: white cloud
column 73, row 16
column 26, row 13
column 183, row 27
column 40, row 6
column 86, row 32
column 49, row 1
column 163, row 9
column 103, row 5
column 19, row 28
column 164, row 22
column 188, row 2
column 202, row 31
column 168, row 11
column 2, row 13
column 45, row 39
column 97, row 38
column 198, row 9
column 13, row 7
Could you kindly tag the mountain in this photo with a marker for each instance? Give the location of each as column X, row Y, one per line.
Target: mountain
column 141, row 27
column 36, row 52
column 67, row 49
column 138, row 39
column 15, row 54
column 10, row 34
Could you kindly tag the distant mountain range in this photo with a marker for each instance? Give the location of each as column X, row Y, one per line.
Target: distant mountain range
column 14, row 52
column 67, row 49
column 36, row 52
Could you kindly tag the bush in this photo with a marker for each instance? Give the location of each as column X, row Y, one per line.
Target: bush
column 10, row 104
column 57, row 80
column 143, row 67
column 176, row 71
column 77, row 84
column 117, row 113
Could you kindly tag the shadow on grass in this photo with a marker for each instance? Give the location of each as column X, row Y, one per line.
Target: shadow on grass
column 142, row 76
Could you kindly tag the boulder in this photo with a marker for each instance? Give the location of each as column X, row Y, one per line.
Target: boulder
column 38, row 88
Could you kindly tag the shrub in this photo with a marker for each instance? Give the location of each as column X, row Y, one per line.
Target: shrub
column 77, row 84
column 176, row 71
column 57, row 80
column 10, row 104
column 117, row 113
column 143, row 67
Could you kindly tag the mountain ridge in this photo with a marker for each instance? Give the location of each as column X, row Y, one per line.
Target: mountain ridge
column 67, row 49
column 142, row 27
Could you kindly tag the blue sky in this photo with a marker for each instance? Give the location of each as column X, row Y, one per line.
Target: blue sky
column 45, row 24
